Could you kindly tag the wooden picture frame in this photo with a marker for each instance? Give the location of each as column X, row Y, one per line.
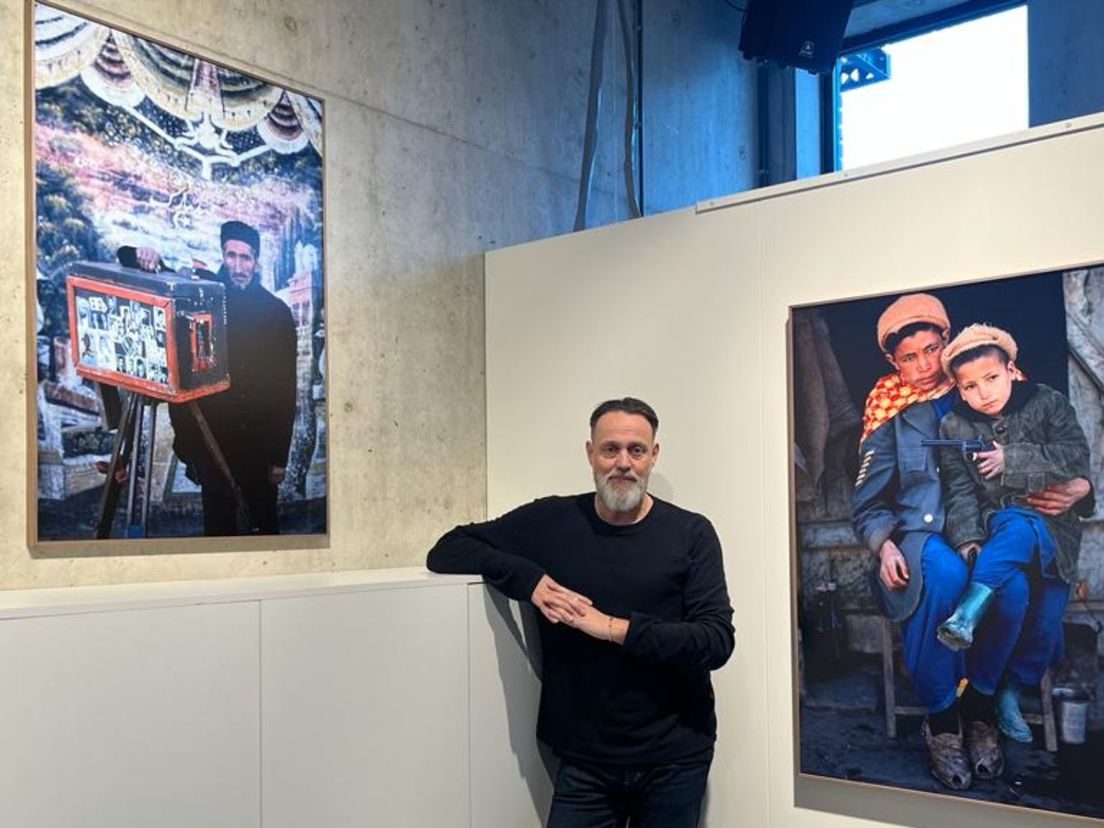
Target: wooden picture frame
column 857, row 715
column 137, row 145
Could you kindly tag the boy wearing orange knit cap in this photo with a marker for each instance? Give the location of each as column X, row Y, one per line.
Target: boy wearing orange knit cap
column 1026, row 558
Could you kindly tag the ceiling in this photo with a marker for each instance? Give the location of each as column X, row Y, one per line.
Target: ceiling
column 874, row 15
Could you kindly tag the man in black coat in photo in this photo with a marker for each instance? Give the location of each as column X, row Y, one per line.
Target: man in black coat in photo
column 252, row 420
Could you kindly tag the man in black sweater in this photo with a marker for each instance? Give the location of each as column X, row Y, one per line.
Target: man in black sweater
column 635, row 613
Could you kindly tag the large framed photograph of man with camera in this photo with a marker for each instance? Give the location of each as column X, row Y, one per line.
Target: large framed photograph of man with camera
column 948, row 451
column 177, row 327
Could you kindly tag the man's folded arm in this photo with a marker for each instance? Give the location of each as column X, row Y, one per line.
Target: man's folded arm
column 468, row 550
column 704, row 643
column 704, row 638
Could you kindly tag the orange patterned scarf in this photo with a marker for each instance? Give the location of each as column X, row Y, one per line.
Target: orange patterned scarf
column 890, row 396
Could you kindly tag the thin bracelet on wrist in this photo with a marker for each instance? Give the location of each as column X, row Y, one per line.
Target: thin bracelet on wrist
column 609, row 628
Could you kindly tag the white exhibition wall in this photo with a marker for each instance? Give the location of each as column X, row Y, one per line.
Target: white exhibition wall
column 688, row 310
column 300, row 700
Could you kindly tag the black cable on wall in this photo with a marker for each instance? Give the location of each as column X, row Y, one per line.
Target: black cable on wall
column 594, row 105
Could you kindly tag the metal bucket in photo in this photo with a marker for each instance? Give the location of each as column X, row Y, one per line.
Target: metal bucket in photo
column 1073, row 714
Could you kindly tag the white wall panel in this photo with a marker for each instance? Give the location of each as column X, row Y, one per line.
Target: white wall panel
column 134, row 718
column 666, row 309
column 365, row 709
column 688, row 311
column 511, row 783
column 1024, row 208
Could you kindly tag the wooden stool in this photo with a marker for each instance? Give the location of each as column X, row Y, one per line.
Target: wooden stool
column 893, row 710
column 1046, row 717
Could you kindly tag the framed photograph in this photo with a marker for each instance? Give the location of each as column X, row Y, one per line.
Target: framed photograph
column 177, row 348
column 948, row 448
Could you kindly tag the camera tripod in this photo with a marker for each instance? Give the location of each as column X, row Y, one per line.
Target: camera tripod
column 134, row 437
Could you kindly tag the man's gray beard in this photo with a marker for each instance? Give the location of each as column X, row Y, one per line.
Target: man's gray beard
column 620, row 498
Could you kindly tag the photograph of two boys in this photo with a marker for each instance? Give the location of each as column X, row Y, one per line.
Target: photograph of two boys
column 947, row 457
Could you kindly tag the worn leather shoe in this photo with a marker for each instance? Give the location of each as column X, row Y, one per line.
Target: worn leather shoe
column 949, row 762
column 983, row 745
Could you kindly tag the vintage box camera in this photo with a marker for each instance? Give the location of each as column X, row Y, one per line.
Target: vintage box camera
column 158, row 334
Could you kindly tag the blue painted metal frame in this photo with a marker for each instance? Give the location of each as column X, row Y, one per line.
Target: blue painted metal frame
column 862, row 68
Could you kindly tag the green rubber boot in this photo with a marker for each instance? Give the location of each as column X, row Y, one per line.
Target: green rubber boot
column 957, row 632
column 1009, row 718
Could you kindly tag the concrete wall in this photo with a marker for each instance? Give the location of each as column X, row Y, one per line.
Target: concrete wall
column 1066, row 61
column 453, row 127
column 698, row 105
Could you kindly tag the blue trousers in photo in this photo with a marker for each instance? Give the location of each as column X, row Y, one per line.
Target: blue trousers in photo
column 1021, row 632
column 597, row 795
column 935, row 670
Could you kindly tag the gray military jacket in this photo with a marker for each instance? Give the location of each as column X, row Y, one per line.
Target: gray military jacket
column 897, row 495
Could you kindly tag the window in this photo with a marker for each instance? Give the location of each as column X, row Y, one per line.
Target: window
column 949, row 86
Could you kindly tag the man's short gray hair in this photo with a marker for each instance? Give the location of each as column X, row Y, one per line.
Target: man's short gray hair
column 629, row 405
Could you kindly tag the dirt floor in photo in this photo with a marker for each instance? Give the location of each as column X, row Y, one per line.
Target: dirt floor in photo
column 843, row 735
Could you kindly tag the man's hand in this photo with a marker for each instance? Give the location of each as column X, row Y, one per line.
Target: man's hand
column 990, row 463
column 894, row 569
column 120, row 470
column 597, row 624
column 1059, row 497
column 276, row 475
column 148, row 259
column 968, row 551
column 558, row 603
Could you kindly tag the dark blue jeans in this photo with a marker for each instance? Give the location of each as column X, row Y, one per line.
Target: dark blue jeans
column 592, row 795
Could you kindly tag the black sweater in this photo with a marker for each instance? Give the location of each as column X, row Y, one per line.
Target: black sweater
column 649, row 700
